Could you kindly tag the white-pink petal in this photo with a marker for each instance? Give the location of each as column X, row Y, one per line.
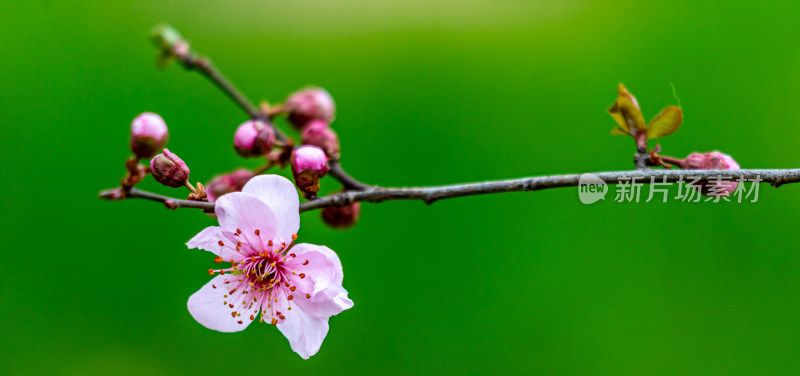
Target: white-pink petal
column 245, row 212
column 304, row 332
column 208, row 240
column 326, row 303
column 206, row 306
column 281, row 196
column 323, row 282
column 323, row 264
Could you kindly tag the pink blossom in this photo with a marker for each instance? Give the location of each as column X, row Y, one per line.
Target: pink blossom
column 296, row 287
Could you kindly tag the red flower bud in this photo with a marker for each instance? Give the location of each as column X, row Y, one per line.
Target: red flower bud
column 148, row 134
column 341, row 216
column 169, row 170
column 310, row 104
column 318, row 133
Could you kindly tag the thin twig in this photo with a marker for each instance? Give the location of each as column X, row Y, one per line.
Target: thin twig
column 776, row 177
column 349, row 183
column 641, row 158
column 115, row 194
column 204, row 66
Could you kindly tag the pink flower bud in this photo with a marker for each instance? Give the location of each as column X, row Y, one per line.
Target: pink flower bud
column 712, row 161
column 695, row 161
column 318, row 133
column 222, row 184
column 240, row 177
column 169, row 170
column 309, row 104
column 309, row 164
column 341, row 216
column 309, row 157
column 148, row 134
column 253, row 139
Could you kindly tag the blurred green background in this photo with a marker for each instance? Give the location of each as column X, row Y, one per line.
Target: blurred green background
column 428, row 92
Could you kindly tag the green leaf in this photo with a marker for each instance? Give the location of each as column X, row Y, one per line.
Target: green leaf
column 626, row 114
column 619, row 132
column 665, row 123
column 623, row 92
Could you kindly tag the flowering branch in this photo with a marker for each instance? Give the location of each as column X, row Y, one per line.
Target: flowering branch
column 297, row 287
column 429, row 195
column 312, row 110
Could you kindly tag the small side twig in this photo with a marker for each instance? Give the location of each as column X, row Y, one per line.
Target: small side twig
column 337, row 172
column 641, row 158
column 113, row 194
column 203, row 65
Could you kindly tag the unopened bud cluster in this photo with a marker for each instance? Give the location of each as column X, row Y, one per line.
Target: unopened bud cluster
column 311, row 110
column 149, row 134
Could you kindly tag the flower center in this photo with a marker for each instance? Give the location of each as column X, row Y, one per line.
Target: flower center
column 259, row 278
